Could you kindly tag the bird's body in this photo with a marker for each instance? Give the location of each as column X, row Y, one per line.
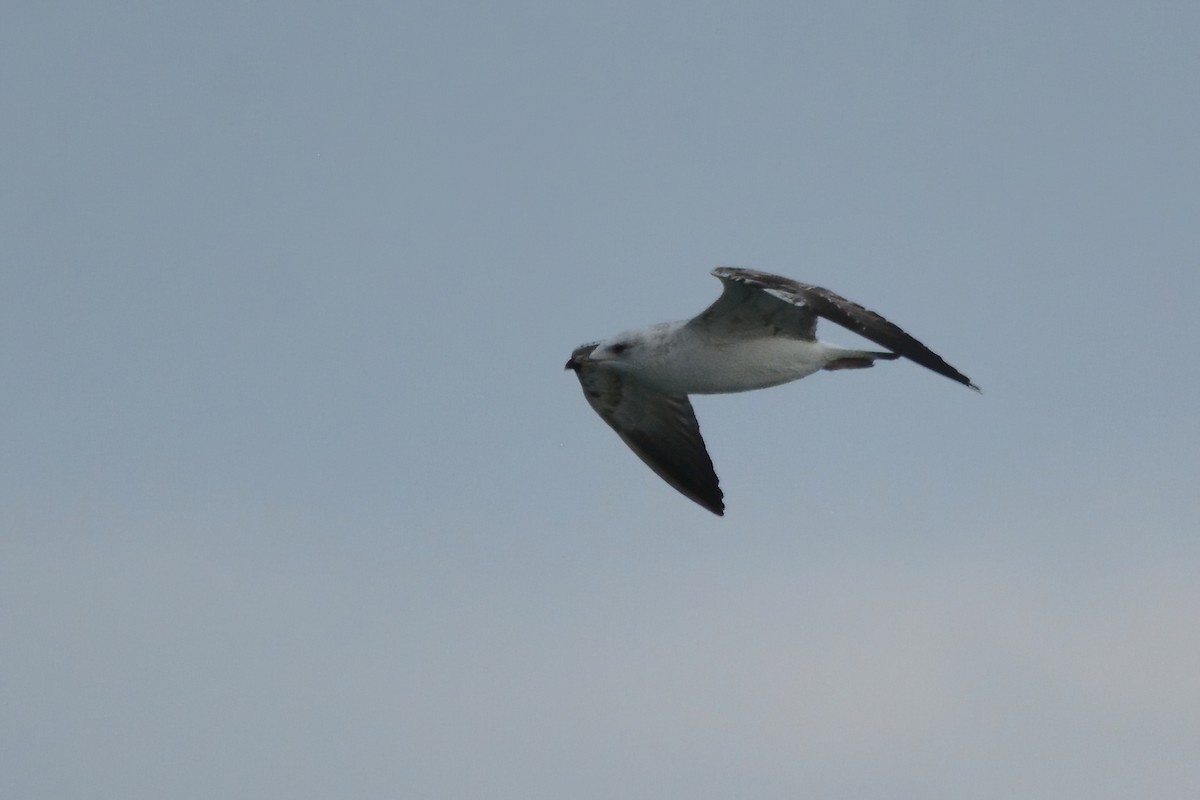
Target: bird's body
column 761, row 332
column 681, row 358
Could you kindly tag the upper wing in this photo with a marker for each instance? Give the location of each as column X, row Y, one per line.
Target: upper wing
column 835, row 308
column 661, row 429
column 745, row 309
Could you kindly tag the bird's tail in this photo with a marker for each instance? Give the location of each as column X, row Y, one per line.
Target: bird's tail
column 858, row 359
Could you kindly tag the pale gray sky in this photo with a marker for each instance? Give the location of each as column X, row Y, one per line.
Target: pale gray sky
column 296, row 500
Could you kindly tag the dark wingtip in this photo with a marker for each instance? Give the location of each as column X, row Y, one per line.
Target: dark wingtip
column 710, row 498
column 950, row 372
column 715, row 504
column 963, row 379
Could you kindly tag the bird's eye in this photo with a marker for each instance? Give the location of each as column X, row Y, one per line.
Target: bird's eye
column 620, row 347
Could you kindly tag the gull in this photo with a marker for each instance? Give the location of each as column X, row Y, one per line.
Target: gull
column 760, row 332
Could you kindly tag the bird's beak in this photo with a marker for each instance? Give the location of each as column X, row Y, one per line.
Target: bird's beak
column 581, row 356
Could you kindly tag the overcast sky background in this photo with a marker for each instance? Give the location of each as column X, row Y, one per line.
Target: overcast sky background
column 296, row 500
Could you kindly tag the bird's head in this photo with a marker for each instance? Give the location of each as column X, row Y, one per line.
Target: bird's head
column 612, row 352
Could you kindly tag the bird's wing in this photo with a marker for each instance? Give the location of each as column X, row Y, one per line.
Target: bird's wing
column 745, row 310
column 661, row 429
column 813, row 301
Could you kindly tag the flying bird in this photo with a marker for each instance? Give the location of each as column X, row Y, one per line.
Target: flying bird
column 760, row 332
